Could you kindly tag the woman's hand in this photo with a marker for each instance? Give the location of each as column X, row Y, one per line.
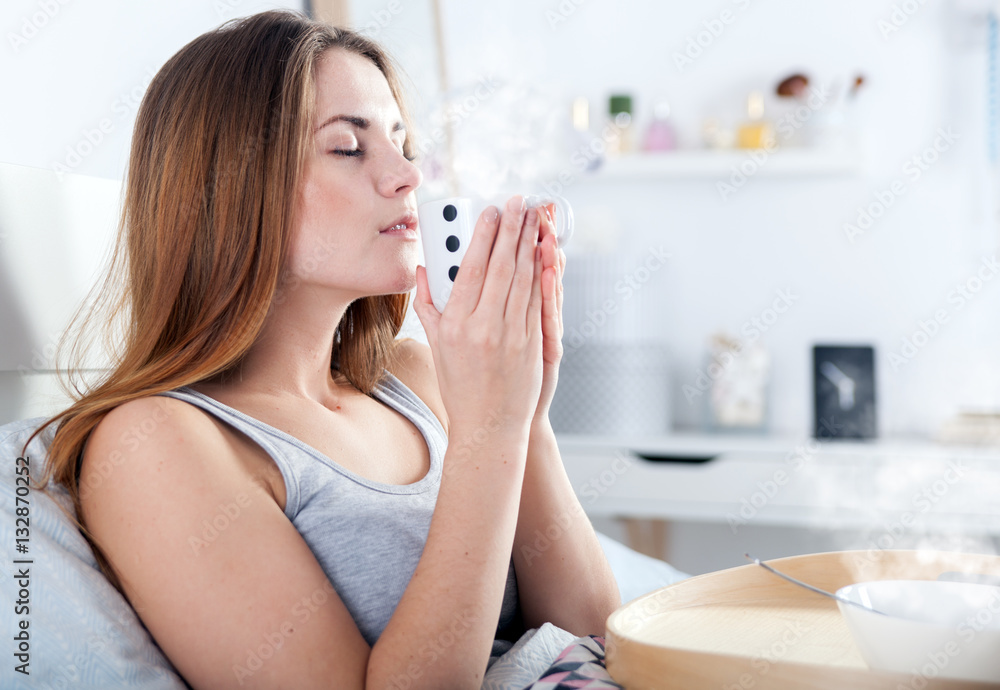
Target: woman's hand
column 487, row 343
column 553, row 267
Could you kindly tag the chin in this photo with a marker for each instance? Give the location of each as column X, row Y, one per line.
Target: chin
column 409, row 283
column 403, row 280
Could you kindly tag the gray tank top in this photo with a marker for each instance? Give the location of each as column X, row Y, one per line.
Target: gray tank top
column 367, row 536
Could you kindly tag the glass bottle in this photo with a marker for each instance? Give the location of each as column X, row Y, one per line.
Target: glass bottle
column 755, row 133
column 661, row 135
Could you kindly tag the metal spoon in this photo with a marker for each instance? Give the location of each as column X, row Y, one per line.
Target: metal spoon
column 800, row 583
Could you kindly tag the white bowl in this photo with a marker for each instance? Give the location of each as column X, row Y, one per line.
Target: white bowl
column 934, row 629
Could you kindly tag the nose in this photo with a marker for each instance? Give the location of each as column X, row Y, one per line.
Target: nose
column 400, row 177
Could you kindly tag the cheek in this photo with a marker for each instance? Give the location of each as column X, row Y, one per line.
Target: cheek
column 311, row 253
column 325, row 212
column 332, row 189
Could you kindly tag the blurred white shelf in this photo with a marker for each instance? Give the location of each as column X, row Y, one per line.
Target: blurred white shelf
column 789, row 162
column 925, row 486
column 769, row 449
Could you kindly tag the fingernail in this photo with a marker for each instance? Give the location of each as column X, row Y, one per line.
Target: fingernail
column 532, row 217
column 516, row 204
column 491, row 214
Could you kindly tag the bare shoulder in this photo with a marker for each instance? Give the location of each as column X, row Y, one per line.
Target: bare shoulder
column 154, row 424
column 414, row 366
column 148, row 444
column 129, row 426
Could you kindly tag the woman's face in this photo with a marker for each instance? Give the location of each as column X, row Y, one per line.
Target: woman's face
column 357, row 225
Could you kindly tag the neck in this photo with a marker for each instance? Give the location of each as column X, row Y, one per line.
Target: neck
column 291, row 357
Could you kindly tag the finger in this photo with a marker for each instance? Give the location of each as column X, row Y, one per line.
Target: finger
column 551, row 291
column 525, row 269
column 468, row 287
column 550, row 256
column 559, row 296
column 503, row 258
column 535, row 305
column 548, row 226
column 550, row 307
column 560, row 275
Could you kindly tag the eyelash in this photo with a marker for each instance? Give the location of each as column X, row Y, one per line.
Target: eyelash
column 354, row 153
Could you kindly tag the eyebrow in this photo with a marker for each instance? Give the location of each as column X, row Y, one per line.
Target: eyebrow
column 359, row 122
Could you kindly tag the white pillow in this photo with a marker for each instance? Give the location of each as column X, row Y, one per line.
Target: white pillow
column 637, row 573
column 82, row 633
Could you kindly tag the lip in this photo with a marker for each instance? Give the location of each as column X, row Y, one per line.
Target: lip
column 409, row 220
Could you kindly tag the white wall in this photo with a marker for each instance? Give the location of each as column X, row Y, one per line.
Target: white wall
column 730, row 257
column 90, row 62
column 85, row 63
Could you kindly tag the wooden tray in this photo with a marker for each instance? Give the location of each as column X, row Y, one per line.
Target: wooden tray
column 747, row 629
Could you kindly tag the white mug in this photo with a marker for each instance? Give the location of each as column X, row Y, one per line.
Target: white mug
column 446, row 228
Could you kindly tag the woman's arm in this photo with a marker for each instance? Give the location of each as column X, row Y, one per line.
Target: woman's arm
column 486, row 347
column 442, row 631
column 563, row 576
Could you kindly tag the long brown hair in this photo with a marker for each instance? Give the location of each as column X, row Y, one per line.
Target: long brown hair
column 216, row 160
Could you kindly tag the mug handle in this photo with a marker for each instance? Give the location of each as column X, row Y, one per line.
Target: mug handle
column 563, row 214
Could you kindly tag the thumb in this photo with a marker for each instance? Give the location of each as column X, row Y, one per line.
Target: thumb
column 424, row 307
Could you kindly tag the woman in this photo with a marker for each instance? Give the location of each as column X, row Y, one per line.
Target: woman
column 261, row 472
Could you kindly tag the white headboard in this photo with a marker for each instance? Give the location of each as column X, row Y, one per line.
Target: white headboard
column 55, row 232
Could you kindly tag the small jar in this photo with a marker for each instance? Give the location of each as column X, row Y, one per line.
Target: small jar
column 619, row 137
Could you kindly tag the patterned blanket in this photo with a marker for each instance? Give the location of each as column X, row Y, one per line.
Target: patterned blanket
column 581, row 665
column 550, row 658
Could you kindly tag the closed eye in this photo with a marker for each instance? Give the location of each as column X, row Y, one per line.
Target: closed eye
column 360, row 152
